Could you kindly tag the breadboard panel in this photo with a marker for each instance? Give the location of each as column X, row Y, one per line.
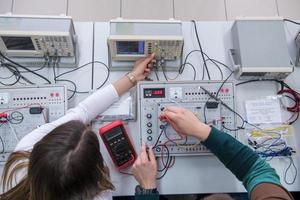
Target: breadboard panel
column 154, row 97
column 17, row 103
column 21, row 123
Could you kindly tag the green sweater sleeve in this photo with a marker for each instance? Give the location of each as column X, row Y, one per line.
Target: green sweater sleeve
column 147, row 197
column 242, row 161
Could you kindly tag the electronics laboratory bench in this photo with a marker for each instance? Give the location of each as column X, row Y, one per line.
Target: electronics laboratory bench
column 190, row 174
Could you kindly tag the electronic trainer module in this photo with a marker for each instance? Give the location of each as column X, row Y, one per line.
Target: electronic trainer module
column 24, row 108
column 154, row 97
column 130, row 40
column 37, row 40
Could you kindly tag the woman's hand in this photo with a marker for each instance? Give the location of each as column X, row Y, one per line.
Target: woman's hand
column 142, row 67
column 184, row 122
column 140, row 71
column 145, row 169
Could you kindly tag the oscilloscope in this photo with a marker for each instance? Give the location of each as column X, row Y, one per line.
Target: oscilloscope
column 29, row 40
column 130, row 40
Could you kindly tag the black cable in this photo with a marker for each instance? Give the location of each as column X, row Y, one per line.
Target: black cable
column 256, row 80
column 297, row 117
column 75, row 87
column 54, row 73
column 70, row 71
column 23, row 67
column 167, row 162
column 17, row 73
column 126, row 173
column 182, row 67
column 282, row 83
column 167, row 165
column 291, row 21
column 192, row 66
column 164, row 73
column 217, row 66
column 7, row 77
column 218, row 92
column 156, row 74
column 230, row 129
column 108, row 74
column 35, row 70
column 200, row 46
column 75, row 91
column 166, row 169
column 3, row 148
column 11, row 84
column 75, row 69
column 226, row 106
column 236, row 113
column 188, row 55
column 157, row 141
column 289, row 167
column 214, row 61
column 15, row 117
column 203, row 73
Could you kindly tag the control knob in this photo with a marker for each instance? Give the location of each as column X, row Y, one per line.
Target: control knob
column 149, row 116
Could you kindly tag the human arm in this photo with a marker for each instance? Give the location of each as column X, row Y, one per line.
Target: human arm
column 89, row 108
column 145, row 171
column 140, row 71
column 244, row 163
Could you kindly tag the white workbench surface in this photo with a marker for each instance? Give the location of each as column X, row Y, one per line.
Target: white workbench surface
column 197, row 174
column 201, row 174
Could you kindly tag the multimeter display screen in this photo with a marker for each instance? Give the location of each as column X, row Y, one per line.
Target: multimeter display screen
column 130, row 47
column 113, row 133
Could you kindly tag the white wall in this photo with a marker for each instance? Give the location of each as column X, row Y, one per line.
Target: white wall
column 103, row 10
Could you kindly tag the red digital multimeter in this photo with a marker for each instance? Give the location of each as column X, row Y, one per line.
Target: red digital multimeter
column 118, row 144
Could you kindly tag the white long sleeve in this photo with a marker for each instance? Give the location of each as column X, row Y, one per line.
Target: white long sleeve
column 87, row 110
column 105, row 195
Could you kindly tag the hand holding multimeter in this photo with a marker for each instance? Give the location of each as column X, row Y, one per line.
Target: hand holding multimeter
column 118, row 144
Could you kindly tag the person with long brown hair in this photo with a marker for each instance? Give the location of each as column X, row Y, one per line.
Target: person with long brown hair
column 61, row 160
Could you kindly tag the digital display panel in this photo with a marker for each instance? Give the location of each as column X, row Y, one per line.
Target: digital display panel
column 115, row 132
column 130, row 47
column 154, row 93
column 18, row 43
